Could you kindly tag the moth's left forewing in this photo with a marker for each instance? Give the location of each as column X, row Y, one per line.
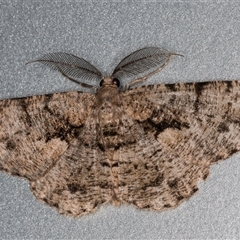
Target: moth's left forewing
column 74, row 107
column 36, row 131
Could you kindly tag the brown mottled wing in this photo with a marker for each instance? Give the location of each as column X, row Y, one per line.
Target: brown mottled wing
column 185, row 128
column 36, row 131
column 79, row 182
column 46, row 140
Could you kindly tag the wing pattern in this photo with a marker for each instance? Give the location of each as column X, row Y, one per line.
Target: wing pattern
column 148, row 146
column 187, row 127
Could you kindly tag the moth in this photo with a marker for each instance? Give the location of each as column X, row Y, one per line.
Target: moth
column 145, row 145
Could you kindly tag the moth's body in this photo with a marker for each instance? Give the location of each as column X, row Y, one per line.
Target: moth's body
column 148, row 146
column 108, row 113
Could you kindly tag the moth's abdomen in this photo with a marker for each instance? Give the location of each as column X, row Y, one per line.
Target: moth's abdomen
column 109, row 126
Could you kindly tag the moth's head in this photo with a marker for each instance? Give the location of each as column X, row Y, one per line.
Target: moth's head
column 109, row 81
column 108, row 92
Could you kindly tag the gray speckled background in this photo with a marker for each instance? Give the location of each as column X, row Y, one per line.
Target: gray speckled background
column 206, row 33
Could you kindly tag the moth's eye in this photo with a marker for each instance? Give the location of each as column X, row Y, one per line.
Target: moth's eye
column 116, row 82
column 101, row 83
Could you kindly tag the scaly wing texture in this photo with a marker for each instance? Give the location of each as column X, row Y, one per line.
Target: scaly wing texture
column 79, row 182
column 186, row 128
column 51, row 141
column 86, row 175
column 149, row 146
column 35, row 131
